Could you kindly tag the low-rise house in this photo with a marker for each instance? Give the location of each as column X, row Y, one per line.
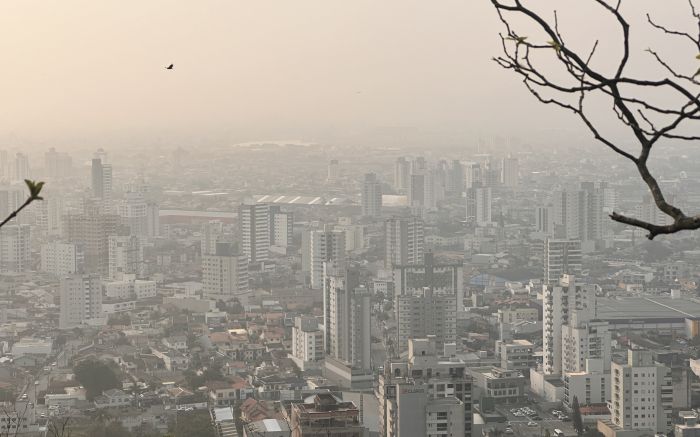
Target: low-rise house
column 176, row 342
column 185, row 400
column 172, row 359
column 69, row 398
column 155, row 417
column 267, row 428
column 226, row 393
column 113, row 398
column 253, row 410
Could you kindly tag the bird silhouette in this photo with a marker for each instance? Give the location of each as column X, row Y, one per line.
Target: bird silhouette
column 170, row 67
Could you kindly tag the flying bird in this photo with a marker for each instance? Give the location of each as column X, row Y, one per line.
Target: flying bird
column 170, row 67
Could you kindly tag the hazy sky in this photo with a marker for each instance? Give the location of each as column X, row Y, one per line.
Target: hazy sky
column 90, row 69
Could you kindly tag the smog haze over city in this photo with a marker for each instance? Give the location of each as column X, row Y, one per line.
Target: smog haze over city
column 349, row 218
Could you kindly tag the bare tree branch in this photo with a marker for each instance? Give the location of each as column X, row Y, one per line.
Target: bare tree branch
column 648, row 122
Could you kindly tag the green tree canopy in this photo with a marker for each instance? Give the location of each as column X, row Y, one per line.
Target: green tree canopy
column 194, row 424
column 96, row 376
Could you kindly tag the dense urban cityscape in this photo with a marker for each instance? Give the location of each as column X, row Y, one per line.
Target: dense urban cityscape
column 329, row 218
column 333, row 293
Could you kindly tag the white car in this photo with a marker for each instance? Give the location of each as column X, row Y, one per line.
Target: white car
column 532, row 424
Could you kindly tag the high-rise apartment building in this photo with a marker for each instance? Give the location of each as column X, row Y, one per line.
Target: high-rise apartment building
column 566, row 303
column 320, row 246
column 402, row 173
column 595, row 217
column 590, row 386
column 510, row 171
column 479, row 206
column 333, row 171
column 416, row 189
column 225, row 274
column 648, row 211
column 58, row 165
column 578, row 214
column 254, row 220
column 49, row 213
column 404, row 241
column 584, row 338
column 544, row 222
column 101, row 180
column 371, row 196
column 427, row 299
column 11, row 198
column 134, row 213
column 281, row 227
column 152, row 219
column 354, row 234
column 21, row 167
column 426, row 314
column 642, row 394
column 213, row 233
column 80, row 300
column 455, row 179
column 15, row 254
column 62, row 259
column 441, row 278
column 92, row 230
column 346, row 316
column 125, row 256
column 472, row 175
column 428, row 393
column 561, row 257
column 307, row 342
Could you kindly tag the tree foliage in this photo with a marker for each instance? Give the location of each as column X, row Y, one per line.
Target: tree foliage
column 576, row 418
column 652, row 110
column 194, row 424
column 96, row 376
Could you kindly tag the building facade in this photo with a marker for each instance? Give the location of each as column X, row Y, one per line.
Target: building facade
column 642, row 394
column 405, row 241
column 80, row 300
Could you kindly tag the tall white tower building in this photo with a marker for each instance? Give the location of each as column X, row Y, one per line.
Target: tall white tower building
column 224, row 274
column 15, row 254
column 510, row 171
column 560, row 302
column 61, row 259
column 281, row 227
column 371, row 196
column 405, row 241
column 347, row 321
column 402, row 172
column 479, row 206
column 307, row 342
column 80, row 300
column 125, row 256
column 333, row 171
column 642, row 394
column 322, row 246
column 254, row 222
column 561, row 257
column 21, row 168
